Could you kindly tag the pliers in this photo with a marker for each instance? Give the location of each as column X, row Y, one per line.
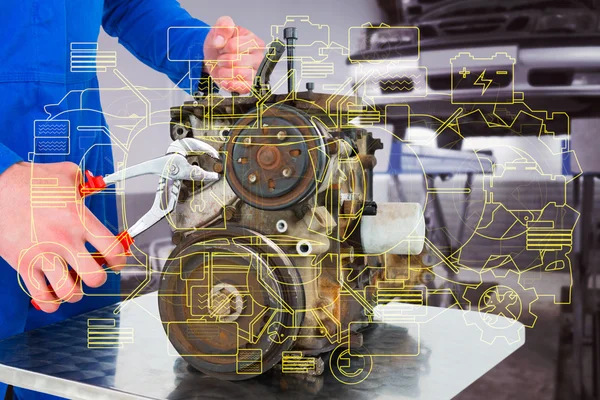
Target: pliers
column 173, row 166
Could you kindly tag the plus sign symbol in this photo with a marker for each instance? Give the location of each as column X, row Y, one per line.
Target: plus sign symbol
column 482, row 80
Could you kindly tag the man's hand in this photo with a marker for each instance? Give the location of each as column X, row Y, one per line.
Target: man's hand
column 232, row 55
column 59, row 232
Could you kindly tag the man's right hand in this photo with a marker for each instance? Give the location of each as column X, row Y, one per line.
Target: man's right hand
column 59, row 232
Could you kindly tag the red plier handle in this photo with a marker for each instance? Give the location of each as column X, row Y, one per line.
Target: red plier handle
column 126, row 241
column 93, row 184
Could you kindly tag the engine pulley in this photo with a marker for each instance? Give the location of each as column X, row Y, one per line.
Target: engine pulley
column 275, row 161
column 227, row 300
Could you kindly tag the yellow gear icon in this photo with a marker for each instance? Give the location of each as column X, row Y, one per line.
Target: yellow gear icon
column 505, row 298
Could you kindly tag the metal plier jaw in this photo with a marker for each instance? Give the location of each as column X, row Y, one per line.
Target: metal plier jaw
column 173, row 166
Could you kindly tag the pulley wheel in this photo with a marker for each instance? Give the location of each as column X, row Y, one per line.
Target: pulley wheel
column 227, row 301
column 275, row 163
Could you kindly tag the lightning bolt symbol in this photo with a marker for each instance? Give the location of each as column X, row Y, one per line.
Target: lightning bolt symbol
column 485, row 83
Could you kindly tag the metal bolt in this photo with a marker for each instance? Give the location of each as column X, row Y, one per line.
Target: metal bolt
column 281, row 135
column 218, row 167
column 230, row 212
column 252, row 178
column 173, row 169
column 267, row 156
column 247, row 141
column 287, row 172
column 177, row 238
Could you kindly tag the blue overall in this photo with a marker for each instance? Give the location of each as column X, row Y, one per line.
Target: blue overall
column 35, row 38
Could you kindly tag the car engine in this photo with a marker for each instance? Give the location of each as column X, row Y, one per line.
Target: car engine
column 284, row 258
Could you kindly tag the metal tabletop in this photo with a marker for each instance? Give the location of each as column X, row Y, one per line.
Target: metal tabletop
column 102, row 355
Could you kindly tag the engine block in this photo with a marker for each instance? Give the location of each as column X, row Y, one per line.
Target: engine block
column 287, row 255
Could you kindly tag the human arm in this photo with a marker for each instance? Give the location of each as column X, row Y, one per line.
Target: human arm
column 142, row 26
column 60, row 235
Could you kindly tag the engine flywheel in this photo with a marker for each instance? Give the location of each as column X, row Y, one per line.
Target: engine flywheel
column 227, row 300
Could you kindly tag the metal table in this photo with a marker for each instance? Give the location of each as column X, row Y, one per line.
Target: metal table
column 102, row 355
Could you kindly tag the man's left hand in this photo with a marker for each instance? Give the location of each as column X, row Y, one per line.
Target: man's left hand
column 232, row 55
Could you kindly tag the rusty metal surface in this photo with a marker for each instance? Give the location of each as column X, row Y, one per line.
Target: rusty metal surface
column 311, row 102
column 275, row 167
column 303, row 178
column 189, row 293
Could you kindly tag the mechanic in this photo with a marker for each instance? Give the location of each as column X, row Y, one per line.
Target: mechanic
column 36, row 37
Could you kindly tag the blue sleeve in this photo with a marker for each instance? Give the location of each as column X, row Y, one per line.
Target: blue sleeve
column 142, row 26
column 7, row 158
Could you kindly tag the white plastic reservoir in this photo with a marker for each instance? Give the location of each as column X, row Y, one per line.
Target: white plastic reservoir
column 398, row 228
